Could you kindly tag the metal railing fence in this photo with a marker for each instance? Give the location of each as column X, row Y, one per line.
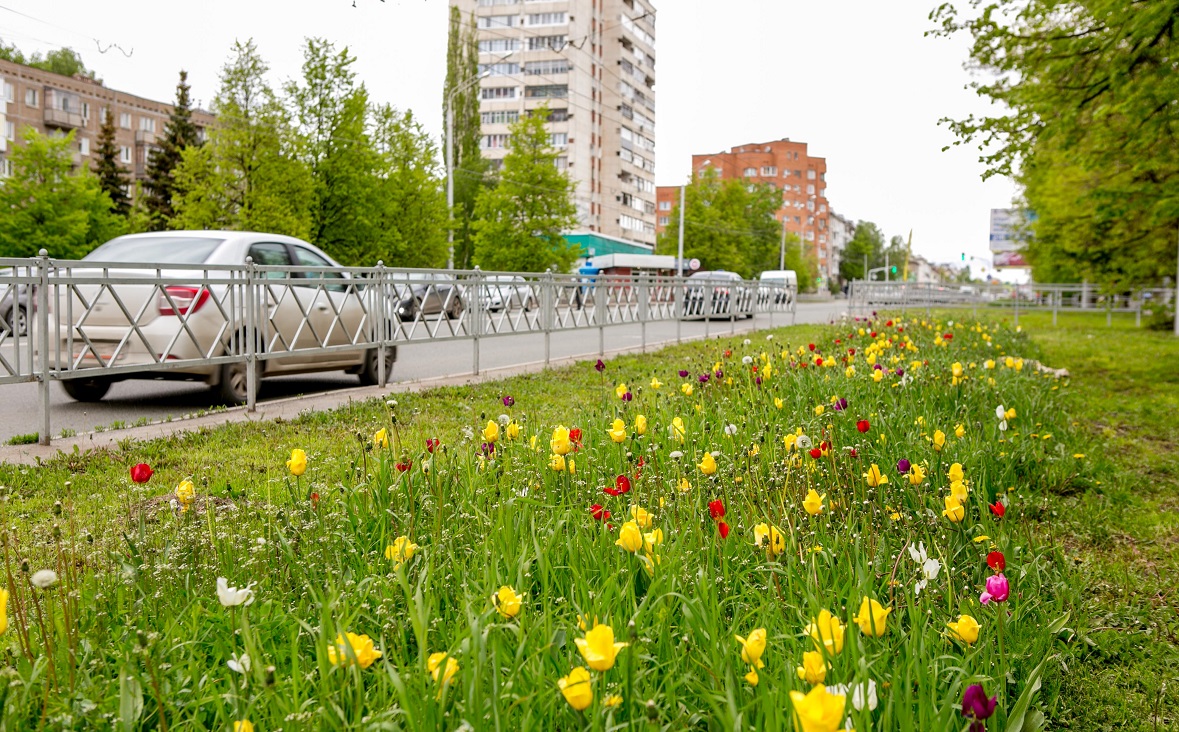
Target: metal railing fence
column 88, row 324
column 864, row 297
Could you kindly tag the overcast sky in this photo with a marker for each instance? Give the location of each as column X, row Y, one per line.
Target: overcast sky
column 856, row 79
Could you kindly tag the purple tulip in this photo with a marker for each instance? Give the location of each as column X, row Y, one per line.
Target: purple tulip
column 703, row 378
column 840, row 404
column 757, row 381
column 720, row 374
column 877, row 367
column 976, row 707
column 903, row 466
column 627, row 397
column 509, row 400
column 599, row 366
column 900, row 372
column 997, row 589
column 683, row 373
column 487, row 448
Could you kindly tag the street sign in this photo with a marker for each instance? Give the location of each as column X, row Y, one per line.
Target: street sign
column 693, row 264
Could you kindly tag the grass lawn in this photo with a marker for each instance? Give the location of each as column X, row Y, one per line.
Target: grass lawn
column 480, row 566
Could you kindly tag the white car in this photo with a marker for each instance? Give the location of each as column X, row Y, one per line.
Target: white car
column 188, row 315
column 508, row 292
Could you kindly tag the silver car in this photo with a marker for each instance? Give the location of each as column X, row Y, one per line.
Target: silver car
column 193, row 311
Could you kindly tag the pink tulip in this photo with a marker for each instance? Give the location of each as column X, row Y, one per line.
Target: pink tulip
column 997, row 589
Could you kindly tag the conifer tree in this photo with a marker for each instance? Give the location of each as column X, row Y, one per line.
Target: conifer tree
column 111, row 175
column 179, row 133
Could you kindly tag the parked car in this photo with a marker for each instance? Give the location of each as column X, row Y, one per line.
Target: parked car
column 508, row 291
column 717, row 293
column 15, row 309
column 434, row 296
column 129, row 323
column 778, row 285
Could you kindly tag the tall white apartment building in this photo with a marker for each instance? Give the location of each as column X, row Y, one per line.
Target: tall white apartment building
column 593, row 63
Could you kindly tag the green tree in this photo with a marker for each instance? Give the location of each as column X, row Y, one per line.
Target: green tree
column 245, row 177
column 49, row 206
column 1088, row 127
column 470, row 168
column 409, row 224
column 330, row 110
column 111, row 176
column 519, row 224
column 179, row 133
column 64, row 61
column 868, row 241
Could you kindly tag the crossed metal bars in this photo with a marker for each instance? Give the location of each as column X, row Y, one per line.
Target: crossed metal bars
column 89, row 320
column 865, row 296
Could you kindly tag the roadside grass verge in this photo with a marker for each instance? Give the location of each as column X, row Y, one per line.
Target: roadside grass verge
column 136, row 632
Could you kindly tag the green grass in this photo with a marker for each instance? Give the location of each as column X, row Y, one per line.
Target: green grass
column 1090, row 546
column 29, row 439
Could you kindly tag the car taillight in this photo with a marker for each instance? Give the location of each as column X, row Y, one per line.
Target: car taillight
column 187, row 300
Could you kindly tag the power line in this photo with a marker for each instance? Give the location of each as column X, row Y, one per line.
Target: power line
column 97, row 42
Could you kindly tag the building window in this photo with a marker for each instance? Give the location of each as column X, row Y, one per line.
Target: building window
column 498, row 92
column 495, row 142
column 559, row 139
column 561, row 162
column 86, row 112
column 500, row 69
column 84, row 145
column 665, row 205
column 796, row 220
column 125, row 120
column 548, row 18
column 499, row 45
column 147, row 124
column 9, row 92
column 124, row 154
column 810, row 189
column 750, row 172
column 30, row 97
column 797, row 173
column 822, row 193
column 548, row 91
column 545, row 68
column 560, row 114
column 542, row 43
column 769, row 171
column 499, row 117
column 664, row 220
column 10, row 131
column 810, row 175
column 5, row 168
column 489, row 3
column 497, row 21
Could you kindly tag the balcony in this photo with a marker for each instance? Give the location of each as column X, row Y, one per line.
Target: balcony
column 143, row 137
column 63, row 120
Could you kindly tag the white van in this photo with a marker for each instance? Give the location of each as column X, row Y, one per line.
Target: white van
column 772, row 281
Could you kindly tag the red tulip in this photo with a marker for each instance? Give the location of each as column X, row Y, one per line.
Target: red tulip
column 998, row 508
column 716, row 509
column 315, row 500
column 996, row 561
column 431, row 443
column 621, row 485
column 948, row 336
column 889, row 324
column 599, row 513
column 811, row 346
column 728, row 353
column 816, row 453
column 819, row 361
column 723, row 528
column 575, row 438
column 873, row 334
column 141, row 473
column 863, row 425
column 403, row 467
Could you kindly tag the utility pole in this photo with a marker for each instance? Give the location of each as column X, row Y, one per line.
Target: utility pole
column 886, row 266
column 782, row 253
column 865, row 266
column 680, row 256
column 450, row 181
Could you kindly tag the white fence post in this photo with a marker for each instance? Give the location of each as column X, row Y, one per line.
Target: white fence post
column 255, row 303
column 547, row 310
column 42, row 321
column 476, row 315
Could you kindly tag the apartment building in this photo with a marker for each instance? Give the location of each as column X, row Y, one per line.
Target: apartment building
column 55, row 104
column 786, row 165
column 593, row 63
column 841, row 231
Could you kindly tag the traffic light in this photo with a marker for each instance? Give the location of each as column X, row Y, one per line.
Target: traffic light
column 963, row 256
column 892, row 269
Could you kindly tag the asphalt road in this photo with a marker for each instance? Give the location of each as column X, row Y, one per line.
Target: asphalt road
column 133, row 400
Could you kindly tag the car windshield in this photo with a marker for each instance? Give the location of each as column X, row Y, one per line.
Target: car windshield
column 156, row 249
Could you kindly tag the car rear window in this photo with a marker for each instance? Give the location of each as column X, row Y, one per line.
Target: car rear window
column 156, row 249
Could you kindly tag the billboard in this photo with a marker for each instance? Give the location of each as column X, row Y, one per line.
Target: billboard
column 1007, row 226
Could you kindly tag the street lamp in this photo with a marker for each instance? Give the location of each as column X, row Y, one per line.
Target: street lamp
column 450, row 163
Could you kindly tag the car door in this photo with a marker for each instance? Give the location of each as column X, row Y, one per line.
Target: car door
column 282, row 310
column 336, row 310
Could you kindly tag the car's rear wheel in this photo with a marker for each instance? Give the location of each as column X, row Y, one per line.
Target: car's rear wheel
column 455, row 310
column 16, row 321
column 86, row 389
column 369, row 373
column 233, row 386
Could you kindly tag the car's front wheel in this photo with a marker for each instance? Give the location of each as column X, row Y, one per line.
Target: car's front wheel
column 233, row 386
column 16, row 321
column 86, row 389
column 369, row 373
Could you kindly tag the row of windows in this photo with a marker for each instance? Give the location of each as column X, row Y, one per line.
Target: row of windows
column 485, row 22
column 545, row 68
column 492, row 3
column 545, row 91
column 639, row 33
column 630, row 138
column 502, row 141
column 635, row 224
column 638, row 160
column 70, row 103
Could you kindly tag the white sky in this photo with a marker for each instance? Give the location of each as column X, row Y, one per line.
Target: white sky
column 856, row 79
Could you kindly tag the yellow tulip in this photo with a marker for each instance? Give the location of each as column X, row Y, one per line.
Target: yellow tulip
column 813, row 503
column 512, row 431
column 789, row 442
column 640, row 425
column 877, row 375
column 1009, row 362
column 612, row 701
column 939, row 440
column 778, row 403
column 955, row 511
column 617, row 431
column 827, row 632
column 652, row 539
column 656, row 383
column 577, row 689
column 3, row 611
column 677, row 429
column 958, row 490
column 817, row 710
column 686, row 388
column 753, row 647
column 557, row 463
column 989, row 363
column 630, row 537
column 751, row 677
column 598, row 647
column 956, row 370
column 243, row 725
column 684, row 485
column 560, row 443
column 707, row 464
column 298, row 462
column 491, row 431
column 916, row 474
column 1010, row 414
column 401, row 550
column 621, row 390
column 819, row 410
column 354, row 648
column 965, row 630
column 850, row 371
column 956, row 473
column 872, row 618
column 186, row 492
column 769, row 538
column 875, row 477
column 381, row 438
column 641, row 516
column 507, row 602
column 437, row 669
column 814, row 668
column 960, row 431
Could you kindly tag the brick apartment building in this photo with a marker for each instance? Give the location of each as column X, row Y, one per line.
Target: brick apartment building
column 55, row 104
column 786, row 165
column 593, row 63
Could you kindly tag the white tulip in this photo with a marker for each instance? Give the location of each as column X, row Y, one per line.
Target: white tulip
column 233, row 596
column 239, row 664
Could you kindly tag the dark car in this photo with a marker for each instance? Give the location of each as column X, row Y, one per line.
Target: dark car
column 432, row 297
